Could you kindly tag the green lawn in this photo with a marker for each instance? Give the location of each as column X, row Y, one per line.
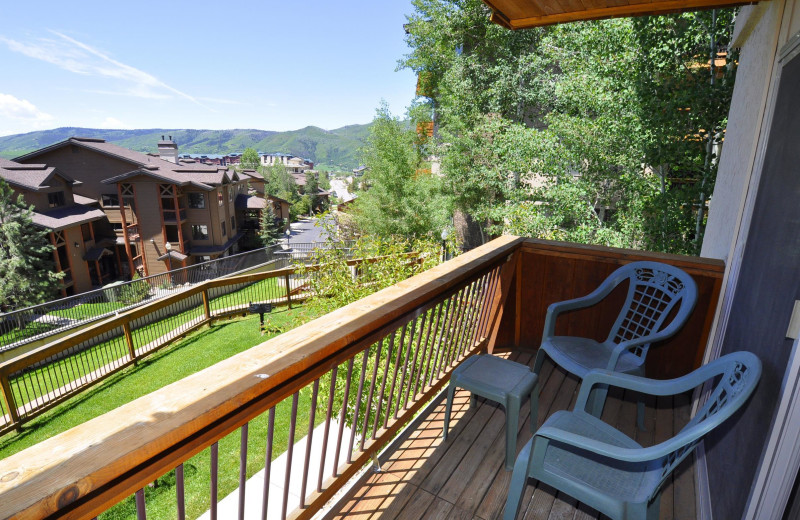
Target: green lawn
column 55, row 375
column 265, row 290
column 197, row 351
column 87, row 311
column 29, row 330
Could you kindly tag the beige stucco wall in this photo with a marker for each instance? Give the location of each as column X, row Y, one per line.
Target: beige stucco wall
column 757, row 30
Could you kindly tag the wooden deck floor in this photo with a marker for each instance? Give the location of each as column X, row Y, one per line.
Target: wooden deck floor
column 464, row 477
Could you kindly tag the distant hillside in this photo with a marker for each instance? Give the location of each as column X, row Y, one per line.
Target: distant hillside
column 334, row 149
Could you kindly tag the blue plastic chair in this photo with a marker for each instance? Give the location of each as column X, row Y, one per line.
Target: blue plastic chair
column 600, row 466
column 654, row 289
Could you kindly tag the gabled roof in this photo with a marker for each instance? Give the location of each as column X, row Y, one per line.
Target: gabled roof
column 31, row 176
column 182, row 173
column 67, row 216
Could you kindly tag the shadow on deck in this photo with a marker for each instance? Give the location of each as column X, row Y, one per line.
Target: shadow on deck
column 464, row 477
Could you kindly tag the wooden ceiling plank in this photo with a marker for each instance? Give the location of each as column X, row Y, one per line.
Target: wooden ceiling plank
column 657, row 7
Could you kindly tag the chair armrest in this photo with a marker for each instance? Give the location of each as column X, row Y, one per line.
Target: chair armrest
column 637, row 383
column 554, row 309
column 609, row 450
column 629, row 344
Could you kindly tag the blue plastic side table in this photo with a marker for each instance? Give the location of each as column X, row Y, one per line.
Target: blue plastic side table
column 503, row 381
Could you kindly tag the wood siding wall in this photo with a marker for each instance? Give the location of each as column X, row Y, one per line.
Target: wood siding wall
column 553, row 271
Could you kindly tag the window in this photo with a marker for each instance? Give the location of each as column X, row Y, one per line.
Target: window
column 199, row 232
column 223, row 229
column 220, row 197
column 230, row 193
column 110, row 200
column 86, row 232
column 56, row 199
column 233, row 224
column 197, row 200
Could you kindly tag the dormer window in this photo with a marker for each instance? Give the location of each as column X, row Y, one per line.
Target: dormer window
column 55, row 199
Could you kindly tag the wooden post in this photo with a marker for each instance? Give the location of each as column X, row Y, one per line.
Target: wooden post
column 507, row 274
column 288, row 291
column 206, row 306
column 126, row 328
column 9, row 402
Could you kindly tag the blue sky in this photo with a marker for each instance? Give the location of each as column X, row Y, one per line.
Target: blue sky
column 223, row 64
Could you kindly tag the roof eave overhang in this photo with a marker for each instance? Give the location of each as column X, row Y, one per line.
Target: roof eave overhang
column 538, row 16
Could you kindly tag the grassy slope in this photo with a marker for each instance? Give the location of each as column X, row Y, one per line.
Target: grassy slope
column 192, row 354
column 334, row 149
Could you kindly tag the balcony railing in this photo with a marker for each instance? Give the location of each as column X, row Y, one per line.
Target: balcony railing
column 171, row 215
column 360, row 373
column 133, row 232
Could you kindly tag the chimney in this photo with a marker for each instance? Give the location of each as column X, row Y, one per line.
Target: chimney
column 168, row 150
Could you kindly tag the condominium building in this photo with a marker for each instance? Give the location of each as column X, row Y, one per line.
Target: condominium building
column 166, row 211
column 79, row 231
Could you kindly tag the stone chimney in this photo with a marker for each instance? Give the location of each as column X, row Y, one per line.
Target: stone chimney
column 168, row 150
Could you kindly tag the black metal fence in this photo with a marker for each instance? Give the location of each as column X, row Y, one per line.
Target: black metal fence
column 47, row 319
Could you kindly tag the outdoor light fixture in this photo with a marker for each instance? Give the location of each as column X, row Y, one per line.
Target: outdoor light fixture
column 77, row 245
column 168, row 247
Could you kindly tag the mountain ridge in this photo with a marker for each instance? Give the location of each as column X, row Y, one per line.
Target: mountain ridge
column 336, row 149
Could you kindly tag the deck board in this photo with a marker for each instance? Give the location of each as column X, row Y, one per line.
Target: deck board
column 464, row 477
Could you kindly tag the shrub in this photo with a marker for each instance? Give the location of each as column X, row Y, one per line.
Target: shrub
column 135, row 291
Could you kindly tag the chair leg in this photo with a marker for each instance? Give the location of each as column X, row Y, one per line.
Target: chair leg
column 537, row 365
column 512, row 425
column 654, row 508
column 519, row 479
column 451, row 390
column 597, row 399
column 640, row 414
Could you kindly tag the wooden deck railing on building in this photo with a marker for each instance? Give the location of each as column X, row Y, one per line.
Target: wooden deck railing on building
column 36, row 381
column 360, row 373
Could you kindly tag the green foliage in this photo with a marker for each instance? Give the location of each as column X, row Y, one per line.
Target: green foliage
column 269, row 226
column 334, row 284
column 324, row 180
column 280, row 182
column 576, row 131
column 312, row 190
column 399, row 199
column 684, row 98
column 27, row 274
column 250, row 159
column 135, row 291
column 301, row 207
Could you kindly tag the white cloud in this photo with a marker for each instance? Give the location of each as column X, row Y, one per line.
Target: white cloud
column 79, row 58
column 23, row 109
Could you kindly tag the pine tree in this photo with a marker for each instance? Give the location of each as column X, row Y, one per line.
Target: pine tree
column 269, row 227
column 27, row 274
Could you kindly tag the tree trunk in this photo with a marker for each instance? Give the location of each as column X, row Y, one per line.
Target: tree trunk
column 469, row 232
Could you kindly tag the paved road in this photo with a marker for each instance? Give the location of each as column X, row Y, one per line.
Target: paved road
column 305, row 231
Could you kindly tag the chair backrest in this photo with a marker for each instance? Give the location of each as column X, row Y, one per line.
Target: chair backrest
column 735, row 376
column 653, row 291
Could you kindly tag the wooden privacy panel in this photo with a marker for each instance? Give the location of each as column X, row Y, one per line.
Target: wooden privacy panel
column 556, row 271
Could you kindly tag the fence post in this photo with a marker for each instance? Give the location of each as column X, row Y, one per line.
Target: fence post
column 8, row 400
column 206, row 306
column 288, row 292
column 126, row 328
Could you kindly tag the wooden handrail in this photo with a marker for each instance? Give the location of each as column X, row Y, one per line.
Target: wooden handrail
column 82, row 471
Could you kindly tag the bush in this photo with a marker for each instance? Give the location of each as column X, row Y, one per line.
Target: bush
column 135, row 291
